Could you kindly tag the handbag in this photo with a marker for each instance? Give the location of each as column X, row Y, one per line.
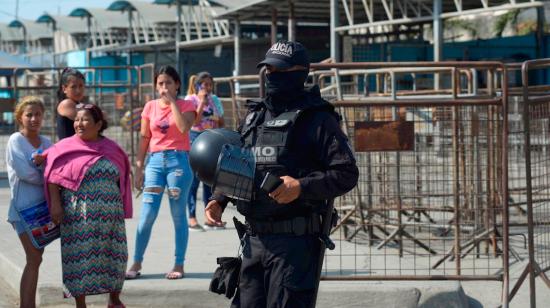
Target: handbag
column 38, row 224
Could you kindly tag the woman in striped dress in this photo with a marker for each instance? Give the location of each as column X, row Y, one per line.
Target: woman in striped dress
column 89, row 195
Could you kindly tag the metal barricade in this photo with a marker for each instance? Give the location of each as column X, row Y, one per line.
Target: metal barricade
column 431, row 202
column 241, row 88
column 532, row 148
column 119, row 90
column 433, row 175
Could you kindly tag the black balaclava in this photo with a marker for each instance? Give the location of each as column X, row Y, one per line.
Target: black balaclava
column 283, row 88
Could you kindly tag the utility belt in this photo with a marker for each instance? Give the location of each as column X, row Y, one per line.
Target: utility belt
column 301, row 225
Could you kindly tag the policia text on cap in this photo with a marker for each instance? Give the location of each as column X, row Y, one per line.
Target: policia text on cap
column 311, row 155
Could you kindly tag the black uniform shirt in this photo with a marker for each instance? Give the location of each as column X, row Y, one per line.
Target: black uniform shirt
column 319, row 145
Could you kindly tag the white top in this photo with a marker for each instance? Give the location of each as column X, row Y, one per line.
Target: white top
column 26, row 180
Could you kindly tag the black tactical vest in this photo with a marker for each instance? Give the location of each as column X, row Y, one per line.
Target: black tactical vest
column 269, row 138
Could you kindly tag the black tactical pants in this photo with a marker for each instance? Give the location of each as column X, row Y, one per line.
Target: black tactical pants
column 278, row 270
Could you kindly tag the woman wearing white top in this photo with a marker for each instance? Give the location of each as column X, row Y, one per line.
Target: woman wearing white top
column 26, row 179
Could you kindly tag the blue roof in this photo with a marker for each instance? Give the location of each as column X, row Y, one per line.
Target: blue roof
column 120, row 6
column 80, row 12
column 46, row 18
column 16, row 24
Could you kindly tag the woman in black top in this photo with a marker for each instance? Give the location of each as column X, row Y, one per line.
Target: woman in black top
column 70, row 93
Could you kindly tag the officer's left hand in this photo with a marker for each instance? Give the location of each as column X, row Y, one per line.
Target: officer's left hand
column 288, row 191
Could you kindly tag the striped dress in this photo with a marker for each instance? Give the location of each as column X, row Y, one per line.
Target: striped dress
column 93, row 235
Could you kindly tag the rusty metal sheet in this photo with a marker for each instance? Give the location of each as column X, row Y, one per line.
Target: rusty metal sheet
column 384, row 136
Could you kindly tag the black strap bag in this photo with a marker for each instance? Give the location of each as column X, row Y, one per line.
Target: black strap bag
column 226, row 277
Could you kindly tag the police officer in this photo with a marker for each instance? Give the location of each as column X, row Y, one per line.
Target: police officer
column 295, row 135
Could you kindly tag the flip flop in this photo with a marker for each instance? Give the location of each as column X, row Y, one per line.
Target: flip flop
column 174, row 275
column 132, row 275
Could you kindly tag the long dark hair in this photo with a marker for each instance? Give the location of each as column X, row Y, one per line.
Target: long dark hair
column 170, row 71
column 66, row 74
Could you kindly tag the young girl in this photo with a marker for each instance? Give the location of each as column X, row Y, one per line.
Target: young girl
column 26, row 181
column 165, row 124
column 209, row 115
column 70, row 92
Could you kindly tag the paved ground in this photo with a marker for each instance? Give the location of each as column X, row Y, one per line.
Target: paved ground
column 8, row 297
column 152, row 290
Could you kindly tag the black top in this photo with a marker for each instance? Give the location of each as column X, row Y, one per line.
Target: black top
column 319, row 146
column 65, row 127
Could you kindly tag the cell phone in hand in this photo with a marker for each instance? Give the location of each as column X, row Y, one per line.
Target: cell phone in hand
column 270, row 182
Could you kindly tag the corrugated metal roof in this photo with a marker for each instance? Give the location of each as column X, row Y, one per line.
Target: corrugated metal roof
column 217, row 7
column 10, row 33
column 157, row 13
column 305, row 10
column 319, row 10
column 152, row 13
column 106, row 19
column 34, row 31
column 64, row 23
column 233, row 4
column 173, row 2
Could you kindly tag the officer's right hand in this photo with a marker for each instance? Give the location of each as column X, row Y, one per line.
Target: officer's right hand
column 213, row 213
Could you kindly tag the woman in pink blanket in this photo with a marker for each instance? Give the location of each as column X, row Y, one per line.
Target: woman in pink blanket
column 88, row 190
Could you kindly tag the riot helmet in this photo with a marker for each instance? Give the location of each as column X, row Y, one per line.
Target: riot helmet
column 206, row 150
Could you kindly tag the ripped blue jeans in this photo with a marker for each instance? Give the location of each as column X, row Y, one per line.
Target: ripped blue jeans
column 168, row 169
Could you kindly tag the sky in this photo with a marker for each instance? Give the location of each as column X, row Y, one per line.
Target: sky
column 32, row 9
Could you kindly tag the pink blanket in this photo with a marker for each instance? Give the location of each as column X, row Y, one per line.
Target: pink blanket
column 68, row 160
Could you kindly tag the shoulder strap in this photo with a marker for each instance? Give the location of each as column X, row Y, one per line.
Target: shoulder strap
column 253, row 117
column 285, row 119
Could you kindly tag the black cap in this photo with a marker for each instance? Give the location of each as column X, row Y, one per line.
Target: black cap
column 285, row 54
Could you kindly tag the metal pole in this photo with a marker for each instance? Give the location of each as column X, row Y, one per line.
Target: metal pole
column 456, row 175
column 541, row 41
column 24, row 39
column 334, row 36
column 273, row 26
column 54, row 29
column 528, row 183
column 237, row 53
column 178, row 35
column 291, row 22
column 89, row 30
column 437, row 37
column 129, row 39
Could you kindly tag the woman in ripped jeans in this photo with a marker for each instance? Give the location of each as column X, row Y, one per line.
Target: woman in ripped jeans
column 165, row 124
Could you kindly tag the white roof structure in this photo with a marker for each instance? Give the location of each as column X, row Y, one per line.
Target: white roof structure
column 32, row 38
column 31, row 29
column 355, row 14
column 155, row 25
column 10, row 38
column 63, row 23
column 105, row 28
column 10, row 33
